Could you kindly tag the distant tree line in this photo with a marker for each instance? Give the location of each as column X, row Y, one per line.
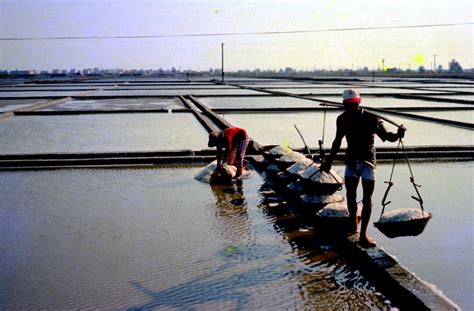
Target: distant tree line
column 454, row 70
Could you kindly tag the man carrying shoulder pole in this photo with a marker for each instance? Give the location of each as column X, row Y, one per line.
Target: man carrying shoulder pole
column 359, row 127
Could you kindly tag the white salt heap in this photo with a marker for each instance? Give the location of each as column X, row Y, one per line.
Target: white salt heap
column 338, row 209
column 205, row 174
column 314, row 174
column 299, row 166
column 321, row 199
column 403, row 214
column 279, row 150
column 292, row 156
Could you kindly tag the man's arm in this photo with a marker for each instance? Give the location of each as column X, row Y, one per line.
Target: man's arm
column 390, row 136
column 336, row 145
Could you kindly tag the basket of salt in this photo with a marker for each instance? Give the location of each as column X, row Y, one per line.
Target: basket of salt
column 276, row 152
column 403, row 222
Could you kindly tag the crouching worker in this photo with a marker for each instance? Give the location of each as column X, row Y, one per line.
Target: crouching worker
column 359, row 127
column 231, row 144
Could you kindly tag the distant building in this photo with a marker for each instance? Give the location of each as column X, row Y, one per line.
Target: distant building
column 87, row 72
column 22, row 73
column 59, row 72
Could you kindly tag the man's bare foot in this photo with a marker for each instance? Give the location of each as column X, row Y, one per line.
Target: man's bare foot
column 366, row 242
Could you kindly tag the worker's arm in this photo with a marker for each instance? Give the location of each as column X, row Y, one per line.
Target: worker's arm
column 336, row 145
column 390, row 136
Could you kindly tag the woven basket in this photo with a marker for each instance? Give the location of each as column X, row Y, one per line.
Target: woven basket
column 413, row 227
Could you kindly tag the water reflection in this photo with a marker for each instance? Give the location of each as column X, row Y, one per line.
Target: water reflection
column 231, row 210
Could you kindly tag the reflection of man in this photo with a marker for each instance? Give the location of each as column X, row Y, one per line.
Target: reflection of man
column 233, row 221
column 359, row 127
column 231, row 144
column 229, row 195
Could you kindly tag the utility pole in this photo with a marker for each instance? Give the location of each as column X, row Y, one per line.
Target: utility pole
column 434, row 63
column 222, row 56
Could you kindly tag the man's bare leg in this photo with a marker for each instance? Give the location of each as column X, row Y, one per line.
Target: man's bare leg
column 351, row 194
column 368, row 189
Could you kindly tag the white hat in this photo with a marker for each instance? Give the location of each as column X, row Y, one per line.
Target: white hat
column 350, row 96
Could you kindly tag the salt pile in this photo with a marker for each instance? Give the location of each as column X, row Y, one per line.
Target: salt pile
column 226, row 173
column 292, row 156
column 299, row 166
column 279, row 150
column 404, row 214
column 313, row 174
column 338, row 209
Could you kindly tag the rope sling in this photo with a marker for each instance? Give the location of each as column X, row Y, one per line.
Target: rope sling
column 321, row 152
column 412, row 180
column 410, row 227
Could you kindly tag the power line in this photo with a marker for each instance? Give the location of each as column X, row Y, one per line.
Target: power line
column 234, row 33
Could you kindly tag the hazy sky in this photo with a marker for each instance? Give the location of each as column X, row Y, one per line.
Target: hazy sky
column 336, row 49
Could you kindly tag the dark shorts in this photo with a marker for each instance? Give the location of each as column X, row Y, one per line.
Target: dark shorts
column 360, row 169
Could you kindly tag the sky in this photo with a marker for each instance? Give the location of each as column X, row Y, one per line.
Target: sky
column 172, row 21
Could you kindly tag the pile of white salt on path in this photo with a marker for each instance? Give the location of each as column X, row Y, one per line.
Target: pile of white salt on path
column 299, row 166
column 205, row 174
column 336, row 210
column 313, row 174
column 292, row 156
column 404, row 214
column 279, row 150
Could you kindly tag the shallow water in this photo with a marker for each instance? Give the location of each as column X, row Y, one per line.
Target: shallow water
column 14, row 104
column 132, row 238
column 101, row 133
column 460, row 97
column 39, row 94
column 172, row 92
column 466, row 116
column 117, row 104
column 362, row 91
column 278, row 128
column 256, row 102
column 287, row 102
column 443, row 253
